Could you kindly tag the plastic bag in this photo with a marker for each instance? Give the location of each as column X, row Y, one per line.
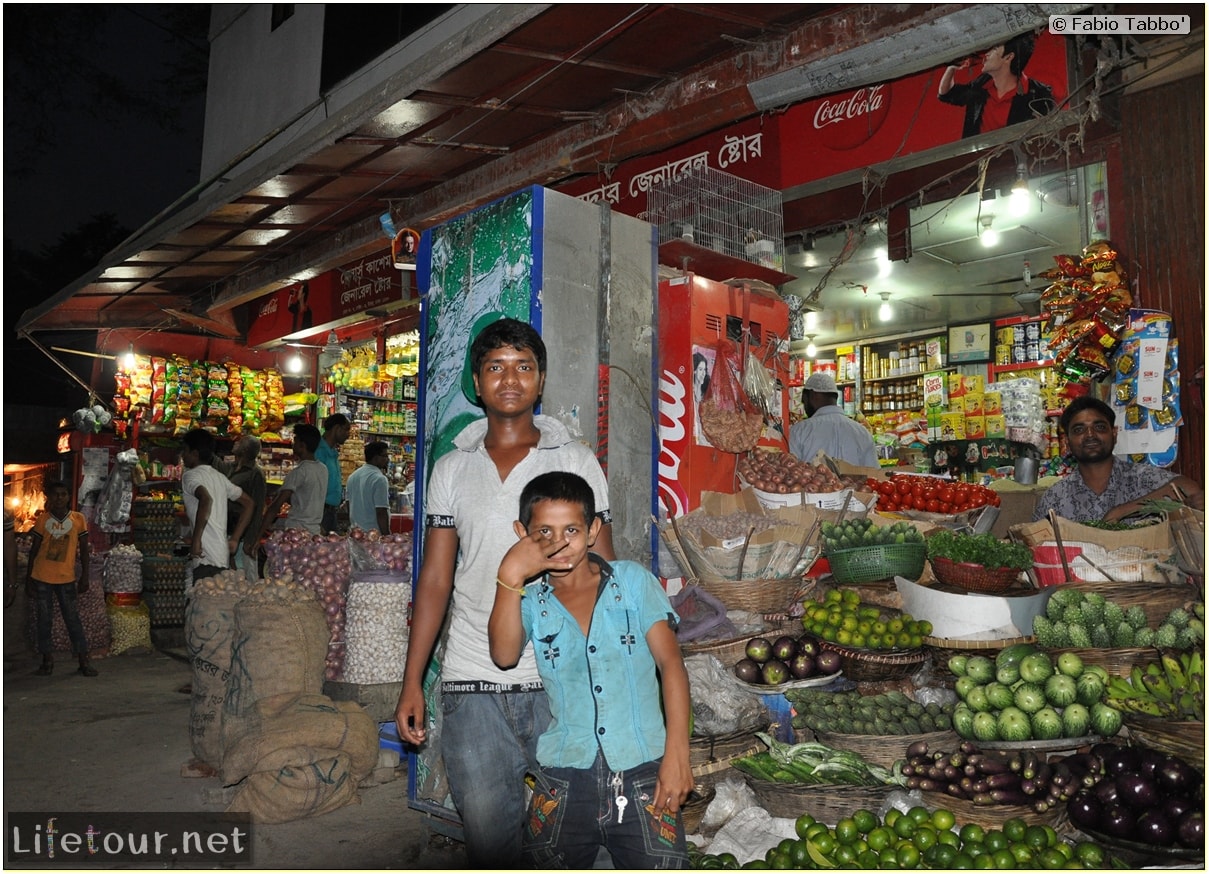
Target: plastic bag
column 751, row 833
column 113, row 505
column 700, row 614
column 729, row 419
column 719, row 705
column 731, row 796
column 759, row 385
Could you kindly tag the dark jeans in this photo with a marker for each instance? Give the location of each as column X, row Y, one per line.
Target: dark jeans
column 328, row 525
column 574, row 812
column 45, row 595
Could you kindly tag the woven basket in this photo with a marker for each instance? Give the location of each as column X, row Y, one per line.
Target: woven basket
column 868, row 564
column 1118, row 662
column 942, row 649
column 1156, row 599
column 1185, row 739
column 880, row 749
column 710, row 756
column 756, row 596
column 828, row 804
column 693, row 811
column 974, row 577
column 994, row 815
column 732, row 649
column 866, row 666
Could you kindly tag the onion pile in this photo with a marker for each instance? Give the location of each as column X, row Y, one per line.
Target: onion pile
column 324, row 565
column 781, row 473
column 371, row 550
column 376, row 632
column 124, row 570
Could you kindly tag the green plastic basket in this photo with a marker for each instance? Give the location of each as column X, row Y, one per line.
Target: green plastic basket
column 868, row 564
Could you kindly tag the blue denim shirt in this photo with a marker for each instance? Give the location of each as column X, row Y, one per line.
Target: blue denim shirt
column 603, row 690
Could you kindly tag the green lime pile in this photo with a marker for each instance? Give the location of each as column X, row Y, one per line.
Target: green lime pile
column 919, row 839
column 843, row 618
column 1025, row 694
column 862, row 532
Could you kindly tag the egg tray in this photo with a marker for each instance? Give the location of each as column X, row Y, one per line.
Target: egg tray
column 166, row 609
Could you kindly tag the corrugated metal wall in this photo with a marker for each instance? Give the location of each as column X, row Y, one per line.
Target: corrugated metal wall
column 1163, row 238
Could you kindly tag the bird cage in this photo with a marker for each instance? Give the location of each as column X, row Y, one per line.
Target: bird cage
column 718, row 211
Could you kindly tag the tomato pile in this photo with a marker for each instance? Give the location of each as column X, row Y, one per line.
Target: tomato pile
column 929, row 495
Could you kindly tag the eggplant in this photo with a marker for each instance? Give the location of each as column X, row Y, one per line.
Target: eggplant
column 1042, row 805
column 970, row 770
column 926, row 785
column 1010, row 796
column 1085, row 809
column 968, row 747
column 952, row 773
column 990, row 766
column 956, row 790
column 1003, row 781
column 983, row 798
column 1106, row 791
column 1121, row 760
column 1191, row 832
column 1149, row 761
column 1175, row 808
column 1175, row 776
column 913, row 782
column 958, row 760
column 1117, row 821
column 1083, row 763
column 1137, row 791
column 1153, row 827
column 979, row 785
column 1029, row 787
column 919, row 748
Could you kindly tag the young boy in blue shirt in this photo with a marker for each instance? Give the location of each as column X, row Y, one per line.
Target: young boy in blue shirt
column 612, row 774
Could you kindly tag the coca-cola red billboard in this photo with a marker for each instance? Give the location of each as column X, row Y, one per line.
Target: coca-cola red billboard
column 868, row 125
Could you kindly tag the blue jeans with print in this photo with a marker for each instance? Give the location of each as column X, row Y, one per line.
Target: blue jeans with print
column 489, row 743
column 45, row 595
column 574, row 811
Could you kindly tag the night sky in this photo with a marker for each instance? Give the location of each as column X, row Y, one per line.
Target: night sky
column 103, row 113
column 97, row 156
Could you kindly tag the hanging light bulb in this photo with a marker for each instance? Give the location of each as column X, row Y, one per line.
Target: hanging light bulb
column 811, row 349
column 988, row 235
column 885, row 312
column 1020, row 200
column 812, row 320
column 294, row 363
column 128, row 361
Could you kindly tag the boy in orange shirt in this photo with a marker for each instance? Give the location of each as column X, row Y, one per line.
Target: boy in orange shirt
column 60, row 536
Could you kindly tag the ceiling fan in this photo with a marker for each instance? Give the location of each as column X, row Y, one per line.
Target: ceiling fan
column 1028, row 298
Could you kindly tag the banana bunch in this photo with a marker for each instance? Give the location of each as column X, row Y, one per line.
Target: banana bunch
column 1174, row 688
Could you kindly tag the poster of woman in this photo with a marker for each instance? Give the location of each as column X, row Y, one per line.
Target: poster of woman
column 703, row 368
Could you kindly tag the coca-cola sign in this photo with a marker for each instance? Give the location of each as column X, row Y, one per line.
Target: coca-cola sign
column 854, row 117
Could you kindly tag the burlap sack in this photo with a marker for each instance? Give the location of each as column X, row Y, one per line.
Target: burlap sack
column 209, row 634
column 297, row 721
column 278, row 648
column 302, row 755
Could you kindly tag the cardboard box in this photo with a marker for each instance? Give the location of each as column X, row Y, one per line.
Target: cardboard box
column 992, row 403
column 972, row 404
column 936, row 391
column 952, row 426
column 1016, row 505
column 973, row 384
column 956, row 386
column 1153, row 538
column 975, row 427
column 843, row 468
column 996, row 426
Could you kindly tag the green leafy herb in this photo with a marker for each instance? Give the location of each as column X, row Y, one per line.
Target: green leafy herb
column 984, row 549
